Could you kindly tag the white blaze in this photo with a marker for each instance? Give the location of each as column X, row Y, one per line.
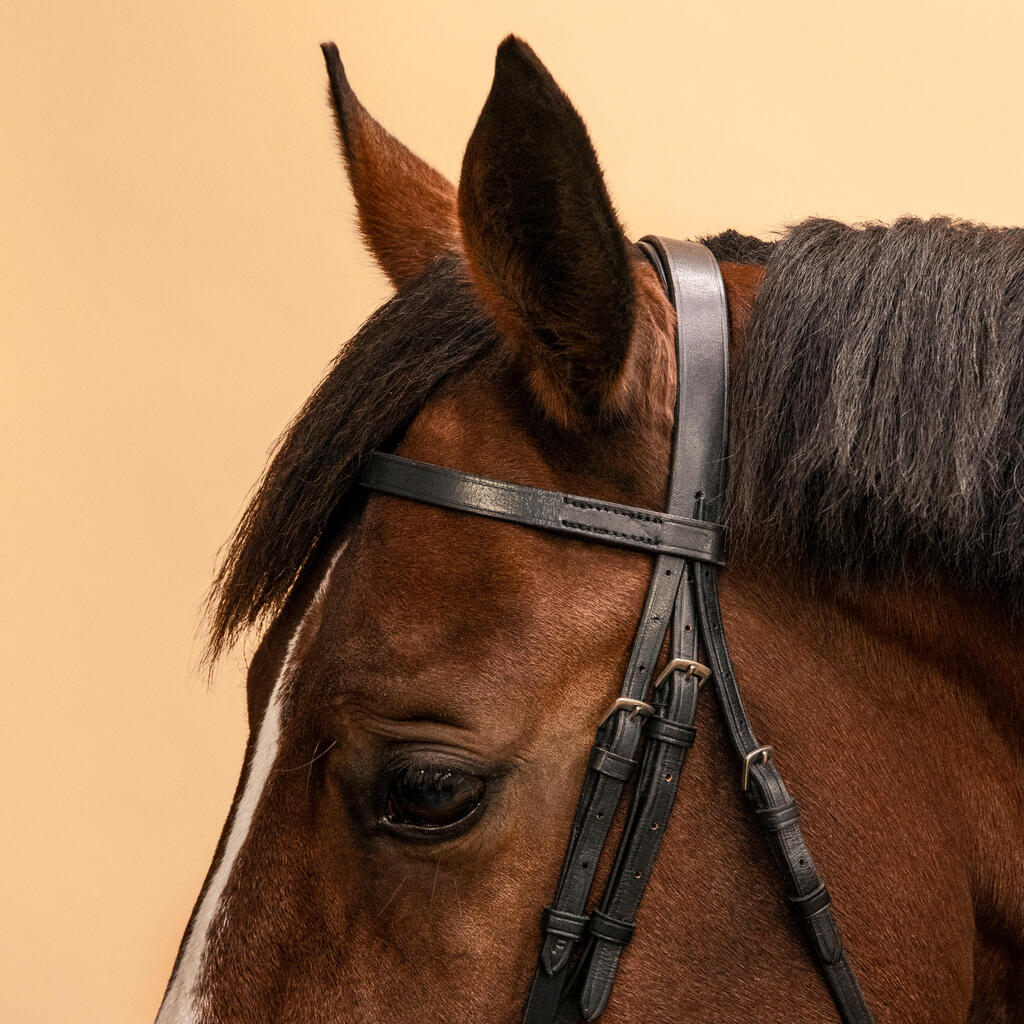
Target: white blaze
column 182, row 1004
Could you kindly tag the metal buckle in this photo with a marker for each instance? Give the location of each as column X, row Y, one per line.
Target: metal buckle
column 688, row 665
column 636, row 708
column 766, row 754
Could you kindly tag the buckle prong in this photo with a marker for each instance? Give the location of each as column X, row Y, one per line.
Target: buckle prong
column 635, row 707
column 690, row 666
column 765, row 753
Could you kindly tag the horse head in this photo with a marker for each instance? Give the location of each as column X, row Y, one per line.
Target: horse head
column 428, row 684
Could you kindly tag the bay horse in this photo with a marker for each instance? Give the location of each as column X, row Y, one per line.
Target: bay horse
column 428, row 684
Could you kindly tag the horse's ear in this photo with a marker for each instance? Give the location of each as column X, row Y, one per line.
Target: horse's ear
column 406, row 209
column 543, row 244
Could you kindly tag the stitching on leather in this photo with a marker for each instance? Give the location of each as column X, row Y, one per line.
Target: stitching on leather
column 589, row 505
column 652, row 542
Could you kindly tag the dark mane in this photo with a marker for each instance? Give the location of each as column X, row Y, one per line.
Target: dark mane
column 430, row 329
column 732, row 247
column 878, row 415
column 878, row 422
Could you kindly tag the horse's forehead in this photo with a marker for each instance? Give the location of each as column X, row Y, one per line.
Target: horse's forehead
column 417, row 621
column 481, row 419
column 418, row 618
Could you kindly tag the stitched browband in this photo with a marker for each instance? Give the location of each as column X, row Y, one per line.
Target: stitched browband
column 603, row 521
column 580, row 951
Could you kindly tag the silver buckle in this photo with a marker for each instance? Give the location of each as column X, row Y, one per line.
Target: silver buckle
column 636, row 708
column 766, row 754
column 688, row 665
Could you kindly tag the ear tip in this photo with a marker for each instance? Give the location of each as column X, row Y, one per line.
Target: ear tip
column 335, row 69
column 512, row 44
column 514, row 54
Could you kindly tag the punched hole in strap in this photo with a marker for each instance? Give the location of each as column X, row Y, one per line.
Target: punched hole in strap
column 611, row 929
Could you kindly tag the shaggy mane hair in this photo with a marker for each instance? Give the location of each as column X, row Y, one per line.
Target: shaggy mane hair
column 428, row 330
column 732, row 247
column 877, row 419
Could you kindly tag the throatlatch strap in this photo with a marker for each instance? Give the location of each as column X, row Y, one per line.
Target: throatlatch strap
column 777, row 812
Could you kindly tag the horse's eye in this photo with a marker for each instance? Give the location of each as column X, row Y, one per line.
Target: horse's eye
column 431, row 800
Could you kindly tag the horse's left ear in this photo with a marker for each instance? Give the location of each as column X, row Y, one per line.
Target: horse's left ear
column 543, row 244
column 406, row 208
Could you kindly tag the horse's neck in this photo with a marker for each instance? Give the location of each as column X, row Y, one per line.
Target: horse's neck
column 924, row 684
column 965, row 654
column 966, row 643
column 923, row 641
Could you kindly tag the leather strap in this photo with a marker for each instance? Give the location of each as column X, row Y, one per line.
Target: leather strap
column 600, row 795
column 695, row 288
column 689, row 543
column 693, row 283
column 696, row 470
column 606, row 522
column 777, row 812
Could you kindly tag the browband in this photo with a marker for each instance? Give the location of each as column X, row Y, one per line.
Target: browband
column 580, row 951
column 603, row 521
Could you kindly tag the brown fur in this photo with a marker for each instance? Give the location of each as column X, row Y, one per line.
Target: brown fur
column 529, row 174
column 406, row 208
column 896, row 713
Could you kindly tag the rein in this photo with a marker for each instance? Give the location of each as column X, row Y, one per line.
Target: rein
column 689, row 543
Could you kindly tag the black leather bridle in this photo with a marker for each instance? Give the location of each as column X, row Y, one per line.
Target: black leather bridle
column 580, row 952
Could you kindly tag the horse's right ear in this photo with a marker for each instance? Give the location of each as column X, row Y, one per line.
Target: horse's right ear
column 543, row 245
column 407, row 210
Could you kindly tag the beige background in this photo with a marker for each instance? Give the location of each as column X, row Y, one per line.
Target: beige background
column 177, row 266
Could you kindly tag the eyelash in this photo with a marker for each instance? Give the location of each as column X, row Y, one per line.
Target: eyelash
column 397, row 797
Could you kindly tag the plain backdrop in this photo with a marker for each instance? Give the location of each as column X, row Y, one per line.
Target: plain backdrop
column 178, row 264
